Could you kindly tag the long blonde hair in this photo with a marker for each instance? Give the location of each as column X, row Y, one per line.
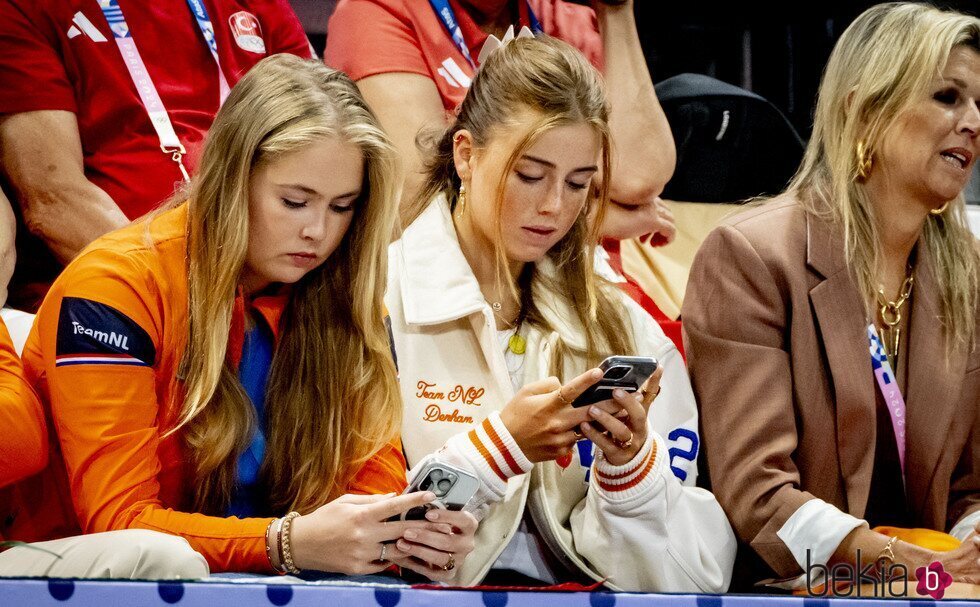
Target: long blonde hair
column 883, row 63
column 555, row 82
column 332, row 384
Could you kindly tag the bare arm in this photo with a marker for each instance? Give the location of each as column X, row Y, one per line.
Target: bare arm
column 42, row 156
column 8, row 252
column 643, row 147
column 405, row 104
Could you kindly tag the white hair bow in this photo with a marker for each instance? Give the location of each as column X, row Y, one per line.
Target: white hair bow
column 493, row 43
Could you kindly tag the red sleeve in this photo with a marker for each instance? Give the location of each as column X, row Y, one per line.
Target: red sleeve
column 368, row 37
column 286, row 34
column 383, row 473
column 106, row 414
column 32, row 70
column 24, row 448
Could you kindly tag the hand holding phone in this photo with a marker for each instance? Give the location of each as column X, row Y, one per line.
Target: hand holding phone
column 541, row 419
column 621, row 438
column 436, row 550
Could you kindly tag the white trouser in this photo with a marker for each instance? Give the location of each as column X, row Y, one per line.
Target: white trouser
column 135, row 554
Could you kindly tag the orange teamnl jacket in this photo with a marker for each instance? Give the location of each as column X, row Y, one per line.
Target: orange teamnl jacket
column 23, row 433
column 103, row 355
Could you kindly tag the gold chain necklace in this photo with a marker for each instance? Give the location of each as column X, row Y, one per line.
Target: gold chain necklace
column 891, row 318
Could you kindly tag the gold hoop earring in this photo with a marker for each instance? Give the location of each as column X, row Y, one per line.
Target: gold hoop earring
column 864, row 161
column 461, row 201
column 940, row 210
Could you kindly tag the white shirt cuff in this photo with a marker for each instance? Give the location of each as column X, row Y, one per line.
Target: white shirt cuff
column 815, row 530
column 965, row 526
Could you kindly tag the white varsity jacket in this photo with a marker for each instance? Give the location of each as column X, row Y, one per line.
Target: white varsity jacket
column 642, row 526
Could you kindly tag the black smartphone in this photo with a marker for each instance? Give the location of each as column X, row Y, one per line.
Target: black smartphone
column 626, row 372
column 453, row 487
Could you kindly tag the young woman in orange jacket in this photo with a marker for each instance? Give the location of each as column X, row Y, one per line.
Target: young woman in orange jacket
column 221, row 370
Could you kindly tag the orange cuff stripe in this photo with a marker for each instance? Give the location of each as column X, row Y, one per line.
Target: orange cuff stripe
column 622, row 475
column 636, row 481
column 486, row 455
column 501, row 447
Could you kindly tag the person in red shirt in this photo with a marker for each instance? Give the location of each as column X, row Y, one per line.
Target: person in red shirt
column 79, row 151
column 413, row 74
column 221, row 370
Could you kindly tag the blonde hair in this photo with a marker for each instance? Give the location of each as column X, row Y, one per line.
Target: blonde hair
column 881, row 66
column 555, row 82
column 332, row 377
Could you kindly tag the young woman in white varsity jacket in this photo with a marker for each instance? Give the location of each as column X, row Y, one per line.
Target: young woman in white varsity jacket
column 492, row 294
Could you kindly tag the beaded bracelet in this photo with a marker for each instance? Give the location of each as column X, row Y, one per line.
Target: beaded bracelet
column 287, row 526
column 268, row 546
column 282, row 557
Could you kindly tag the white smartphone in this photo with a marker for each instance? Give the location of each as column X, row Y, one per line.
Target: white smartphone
column 453, row 487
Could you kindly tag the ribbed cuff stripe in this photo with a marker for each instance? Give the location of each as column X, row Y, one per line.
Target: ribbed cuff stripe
column 647, row 465
column 501, row 447
column 487, row 456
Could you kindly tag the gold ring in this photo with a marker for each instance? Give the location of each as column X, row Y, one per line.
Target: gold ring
column 384, row 549
column 562, row 398
column 450, row 564
column 625, row 444
column 577, row 433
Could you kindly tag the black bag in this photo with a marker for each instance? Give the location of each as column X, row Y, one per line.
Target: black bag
column 731, row 144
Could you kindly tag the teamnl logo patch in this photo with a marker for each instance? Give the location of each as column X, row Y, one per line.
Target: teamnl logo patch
column 109, row 338
column 881, row 579
column 94, row 333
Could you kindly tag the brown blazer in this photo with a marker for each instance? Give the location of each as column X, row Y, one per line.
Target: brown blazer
column 774, row 329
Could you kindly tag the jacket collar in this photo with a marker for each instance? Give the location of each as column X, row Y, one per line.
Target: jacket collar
column 824, row 246
column 439, row 285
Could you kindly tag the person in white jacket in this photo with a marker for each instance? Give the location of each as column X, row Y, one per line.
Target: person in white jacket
column 493, row 296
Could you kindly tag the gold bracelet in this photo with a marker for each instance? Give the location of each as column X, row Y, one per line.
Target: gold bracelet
column 887, row 553
column 287, row 529
column 268, row 546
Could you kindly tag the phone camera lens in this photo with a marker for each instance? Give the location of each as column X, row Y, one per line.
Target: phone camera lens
column 617, row 372
column 444, row 486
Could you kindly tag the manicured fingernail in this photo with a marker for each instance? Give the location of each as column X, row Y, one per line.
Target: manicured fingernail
column 410, row 534
column 619, row 393
column 594, row 411
column 432, row 515
column 429, row 496
column 596, row 373
column 403, row 545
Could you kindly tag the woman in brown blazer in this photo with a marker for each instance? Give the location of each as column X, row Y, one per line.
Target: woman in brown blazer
column 868, row 249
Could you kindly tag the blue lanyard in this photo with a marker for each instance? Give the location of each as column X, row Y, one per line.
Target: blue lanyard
column 207, row 31
column 448, row 17
column 204, row 24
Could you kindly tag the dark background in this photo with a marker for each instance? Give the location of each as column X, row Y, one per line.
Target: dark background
column 775, row 50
